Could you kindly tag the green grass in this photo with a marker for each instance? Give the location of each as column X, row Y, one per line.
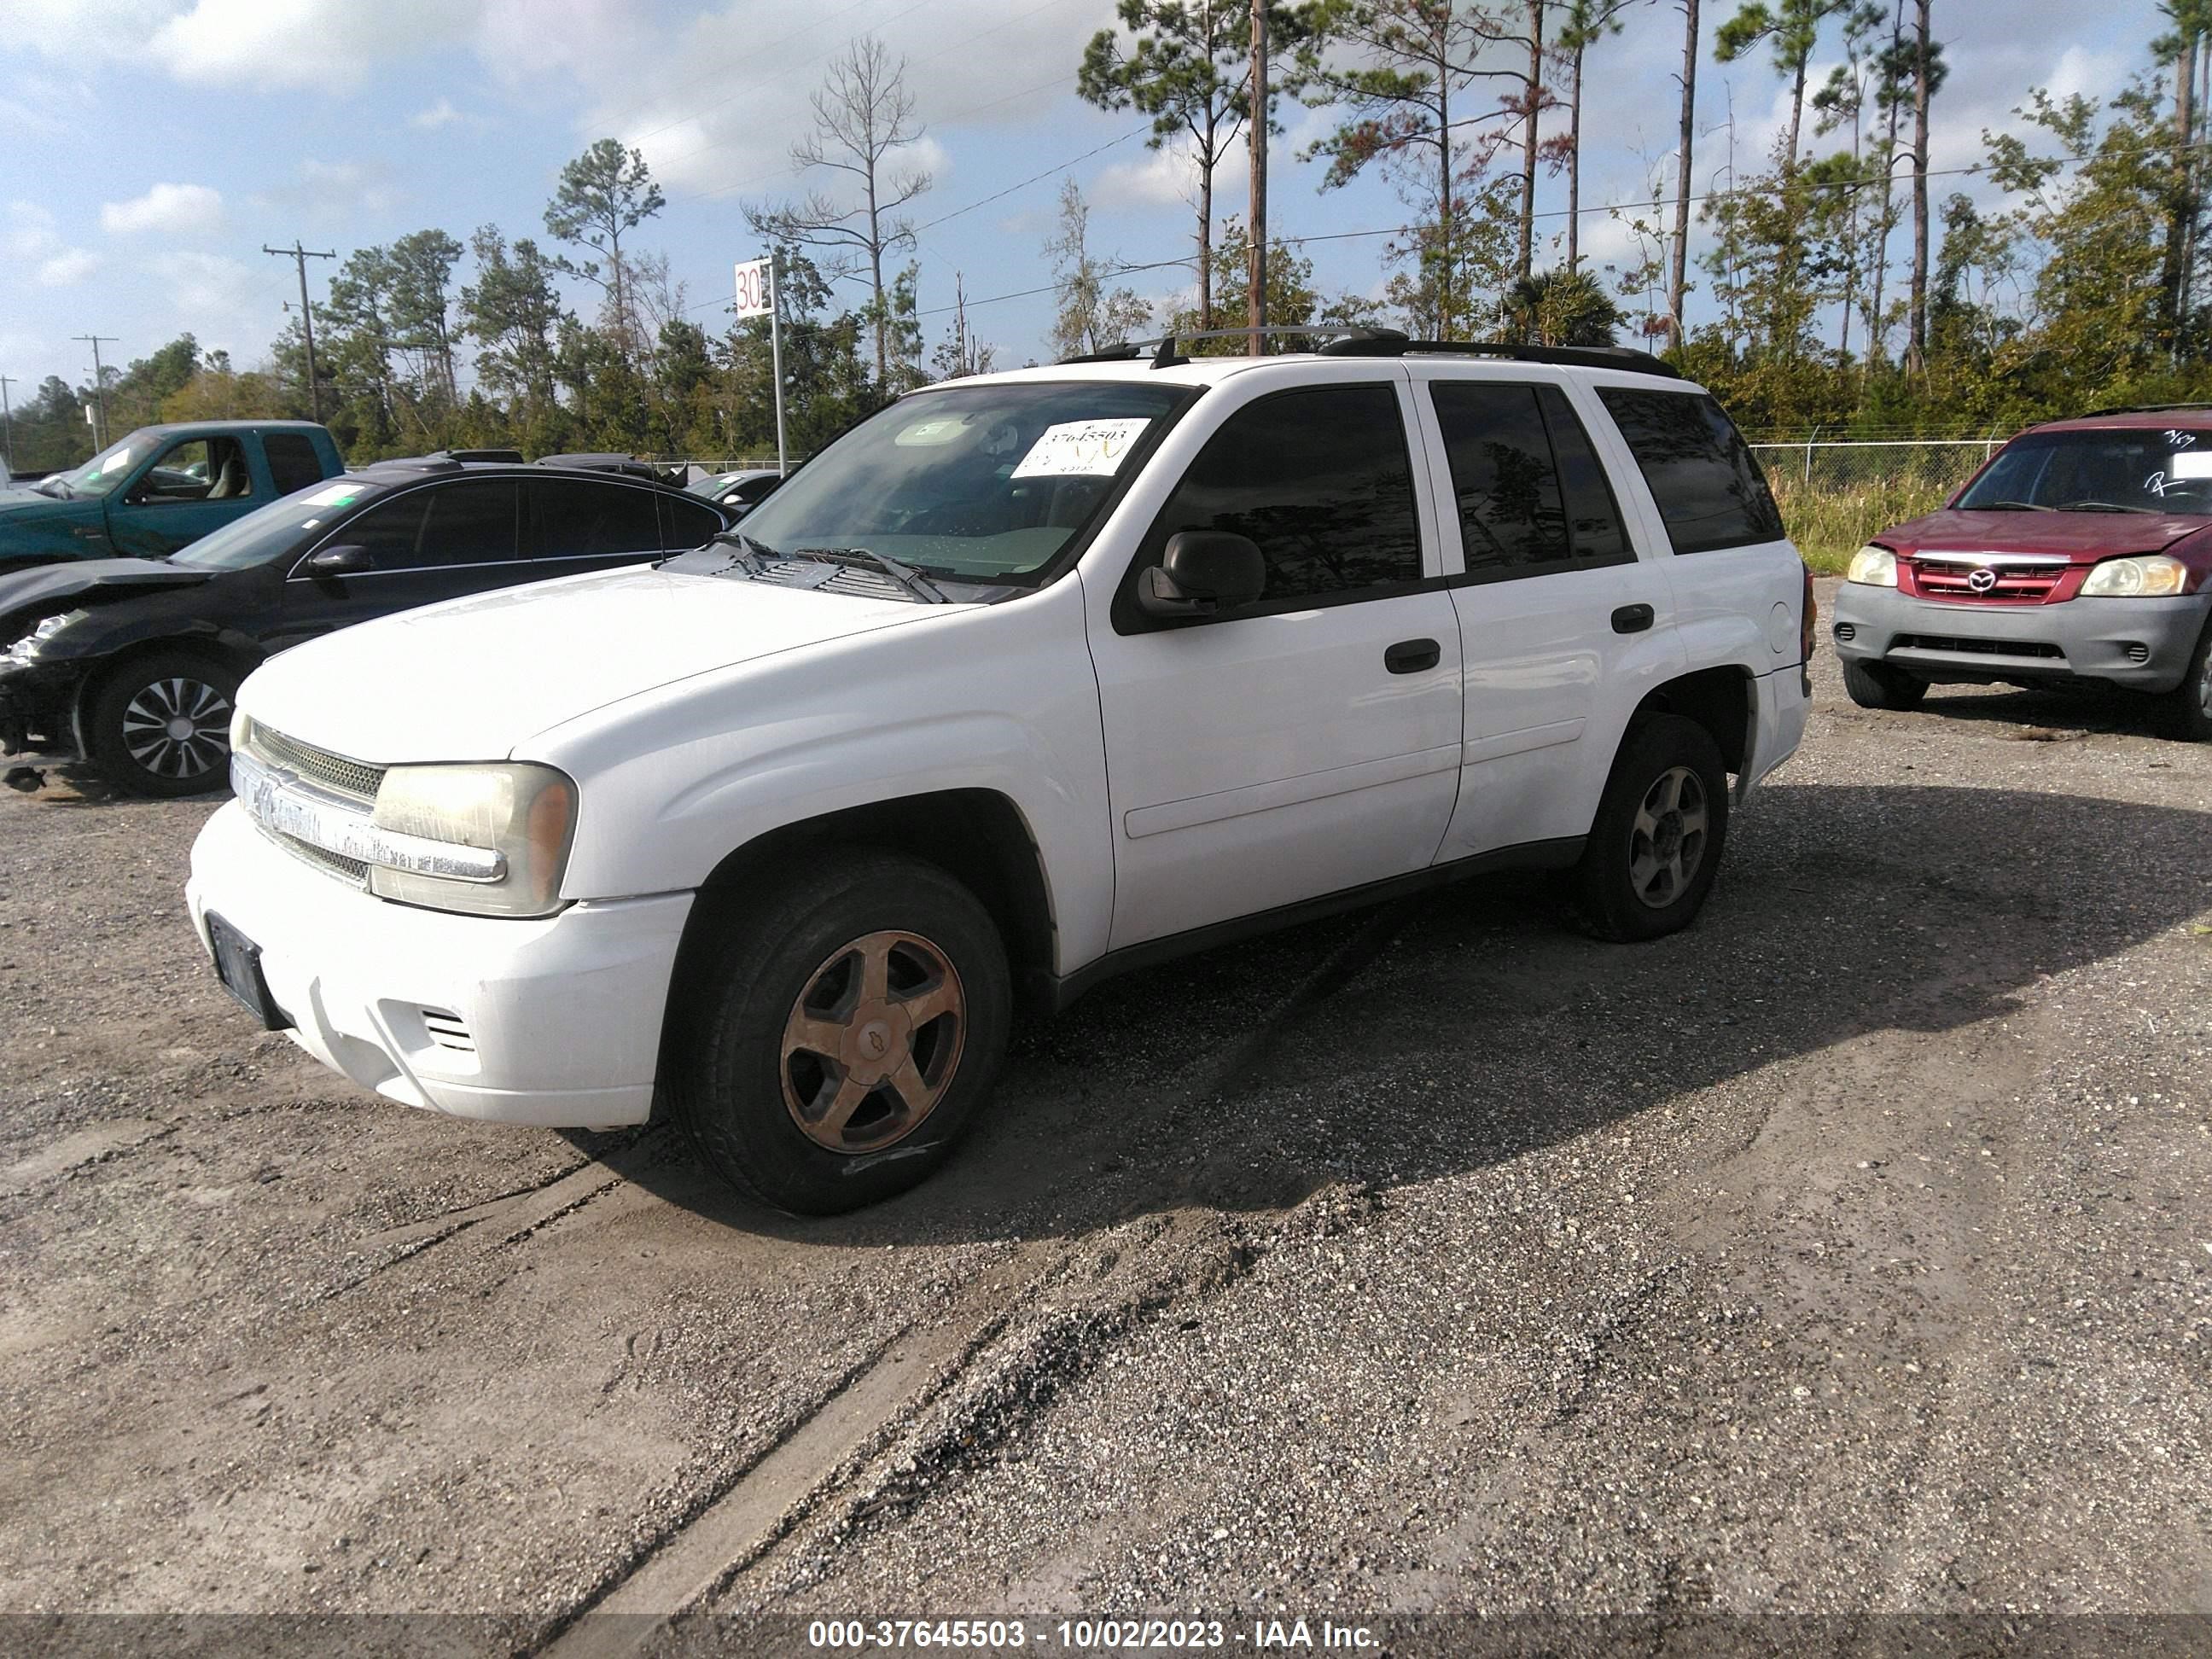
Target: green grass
column 1830, row 525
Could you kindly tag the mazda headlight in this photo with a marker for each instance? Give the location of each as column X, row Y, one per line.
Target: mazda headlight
column 518, row 818
column 1873, row 566
column 28, row 648
column 2147, row 576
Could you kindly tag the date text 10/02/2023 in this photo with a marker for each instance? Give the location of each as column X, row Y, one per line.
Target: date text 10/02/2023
column 1088, row 1635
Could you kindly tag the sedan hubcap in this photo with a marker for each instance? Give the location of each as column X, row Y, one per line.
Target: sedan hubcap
column 177, row 728
column 871, row 1044
column 1667, row 843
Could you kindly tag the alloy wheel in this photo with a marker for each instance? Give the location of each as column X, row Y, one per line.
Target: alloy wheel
column 1668, row 841
column 871, row 1044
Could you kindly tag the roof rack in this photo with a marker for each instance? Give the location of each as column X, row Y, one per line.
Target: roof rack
column 1355, row 341
column 1388, row 342
column 1164, row 354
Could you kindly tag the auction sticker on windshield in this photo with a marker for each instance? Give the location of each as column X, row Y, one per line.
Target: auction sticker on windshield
column 1082, row 448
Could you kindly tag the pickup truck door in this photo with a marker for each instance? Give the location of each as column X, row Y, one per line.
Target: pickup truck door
column 1309, row 743
column 1563, row 621
column 440, row 540
column 189, row 487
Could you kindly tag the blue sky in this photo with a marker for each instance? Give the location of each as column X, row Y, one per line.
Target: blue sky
column 153, row 146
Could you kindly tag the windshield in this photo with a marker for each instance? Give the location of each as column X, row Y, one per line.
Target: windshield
column 2149, row 470
column 984, row 484
column 106, row 469
column 273, row 531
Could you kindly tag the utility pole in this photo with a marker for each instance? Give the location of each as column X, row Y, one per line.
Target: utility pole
column 1255, row 284
column 99, row 388
column 299, row 256
column 7, row 431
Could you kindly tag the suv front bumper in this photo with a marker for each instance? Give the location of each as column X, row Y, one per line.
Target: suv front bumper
column 2144, row 644
column 553, row 1020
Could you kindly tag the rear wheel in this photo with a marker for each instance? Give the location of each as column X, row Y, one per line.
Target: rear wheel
column 159, row 724
column 837, row 1042
column 1877, row 685
column 1655, row 843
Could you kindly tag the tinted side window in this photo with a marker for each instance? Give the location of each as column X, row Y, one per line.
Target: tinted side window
column 1512, row 520
column 470, row 522
column 686, row 523
column 1593, row 515
column 293, row 463
column 1319, row 479
column 1708, row 487
column 576, row 518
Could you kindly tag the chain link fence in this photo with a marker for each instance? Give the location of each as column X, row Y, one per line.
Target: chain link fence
column 1835, row 495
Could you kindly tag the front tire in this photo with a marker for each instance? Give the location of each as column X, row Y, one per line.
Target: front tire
column 1656, row 844
column 2188, row 705
column 1877, row 685
column 159, row 724
column 831, row 1048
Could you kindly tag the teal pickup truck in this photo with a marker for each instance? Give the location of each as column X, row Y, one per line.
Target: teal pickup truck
column 148, row 494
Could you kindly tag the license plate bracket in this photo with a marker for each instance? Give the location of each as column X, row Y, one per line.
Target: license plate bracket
column 238, row 964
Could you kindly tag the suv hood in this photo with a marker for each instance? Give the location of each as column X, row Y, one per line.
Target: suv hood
column 2083, row 537
column 472, row 678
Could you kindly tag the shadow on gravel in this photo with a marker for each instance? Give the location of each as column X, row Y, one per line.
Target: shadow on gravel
column 2072, row 709
column 1467, row 1028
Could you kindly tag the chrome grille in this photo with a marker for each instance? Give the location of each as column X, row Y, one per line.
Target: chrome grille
column 334, row 864
column 316, row 765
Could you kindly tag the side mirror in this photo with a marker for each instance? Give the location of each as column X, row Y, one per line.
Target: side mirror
column 1203, row 573
column 345, row 559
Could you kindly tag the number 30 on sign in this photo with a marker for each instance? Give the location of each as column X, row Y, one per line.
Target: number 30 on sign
column 755, row 289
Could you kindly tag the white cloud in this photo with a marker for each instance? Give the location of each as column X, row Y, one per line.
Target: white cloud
column 1167, row 177
column 68, row 268
column 171, row 209
column 440, row 114
column 307, row 44
column 335, row 192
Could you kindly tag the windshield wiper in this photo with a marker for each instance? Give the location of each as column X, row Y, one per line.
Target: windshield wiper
column 748, row 553
column 2012, row 507
column 905, row 575
column 2100, row 507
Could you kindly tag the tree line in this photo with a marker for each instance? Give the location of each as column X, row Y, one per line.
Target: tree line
column 1841, row 289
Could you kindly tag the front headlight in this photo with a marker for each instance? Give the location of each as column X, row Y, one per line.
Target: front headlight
column 2148, row 576
column 524, row 814
column 1873, row 566
column 28, row 648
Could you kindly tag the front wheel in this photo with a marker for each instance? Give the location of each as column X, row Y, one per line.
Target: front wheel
column 2190, row 703
column 1877, row 685
column 834, row 1044
column 1655, row 843
column 159, row 724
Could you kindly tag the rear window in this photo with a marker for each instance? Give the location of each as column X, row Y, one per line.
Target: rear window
column 293, row 463
column 1708, row 485
column 579, row 519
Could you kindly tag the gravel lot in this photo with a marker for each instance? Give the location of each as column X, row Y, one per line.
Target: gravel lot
column 1851, row 1252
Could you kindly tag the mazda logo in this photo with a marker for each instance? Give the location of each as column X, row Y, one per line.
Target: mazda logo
column 1983, row 580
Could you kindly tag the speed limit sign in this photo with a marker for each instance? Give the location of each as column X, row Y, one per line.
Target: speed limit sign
column 755, row 288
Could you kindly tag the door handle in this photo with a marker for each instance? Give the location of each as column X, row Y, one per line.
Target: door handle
column 1631, row 619
column 1411, row 656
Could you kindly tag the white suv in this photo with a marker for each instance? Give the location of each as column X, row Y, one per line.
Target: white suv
column 1028, row 679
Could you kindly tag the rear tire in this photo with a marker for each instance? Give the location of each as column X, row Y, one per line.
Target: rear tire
column 1877, row 685
column 1656, row 844
column 834, row 1044
column 159, row 724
